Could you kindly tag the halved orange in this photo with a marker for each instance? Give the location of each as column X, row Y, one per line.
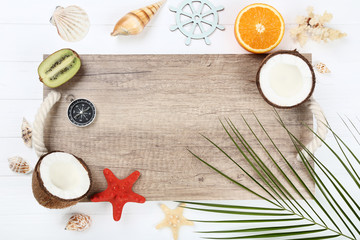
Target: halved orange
column 259, row 28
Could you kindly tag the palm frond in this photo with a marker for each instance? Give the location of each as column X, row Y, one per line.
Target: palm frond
column 354, row 126
column 331, row 213
column 273, row 235
column 271, row 220
column 261, row 229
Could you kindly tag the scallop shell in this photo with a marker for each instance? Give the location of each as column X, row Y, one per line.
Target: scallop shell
column 72, row 23
column 135, row 21
column 19, row 165
column 322, row 68
column 78, row 222
column 26, row 133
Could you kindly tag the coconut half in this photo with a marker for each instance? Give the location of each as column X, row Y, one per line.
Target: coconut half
column 60, row 180
column 285, row 79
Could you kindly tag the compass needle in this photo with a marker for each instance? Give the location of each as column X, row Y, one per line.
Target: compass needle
column 81, row 112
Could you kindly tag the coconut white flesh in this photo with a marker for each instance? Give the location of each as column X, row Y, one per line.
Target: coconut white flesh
column 286, row 80
column 64, row 176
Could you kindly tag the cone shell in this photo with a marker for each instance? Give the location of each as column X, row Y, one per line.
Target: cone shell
column 72, row 23
column 135, row 21
column 78, row 222
column 26, row 133
column 19, row 165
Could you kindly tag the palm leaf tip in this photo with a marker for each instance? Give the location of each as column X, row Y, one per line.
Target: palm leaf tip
column 273, row 235
column 261, row 229
column 233, row 206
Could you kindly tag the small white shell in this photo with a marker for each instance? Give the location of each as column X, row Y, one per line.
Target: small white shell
column 322, row 68
column 26, row 133
column 78, row 222
column 72, row 23
column 19, row 165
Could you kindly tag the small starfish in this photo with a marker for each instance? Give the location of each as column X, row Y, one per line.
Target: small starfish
column 118, row 192
column 174, row 219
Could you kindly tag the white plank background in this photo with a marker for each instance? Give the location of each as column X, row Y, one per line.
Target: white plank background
column 26, row 34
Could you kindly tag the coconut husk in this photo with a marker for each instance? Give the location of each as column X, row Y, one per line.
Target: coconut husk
column 44, row 197
column 293, row 52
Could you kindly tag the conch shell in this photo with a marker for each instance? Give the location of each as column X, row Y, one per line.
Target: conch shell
column 78, row 222
column 19, row 165
column 26, row 133
column 72, row 23
column 135, row 21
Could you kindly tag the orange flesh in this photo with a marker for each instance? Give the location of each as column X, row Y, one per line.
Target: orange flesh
column 259, row 28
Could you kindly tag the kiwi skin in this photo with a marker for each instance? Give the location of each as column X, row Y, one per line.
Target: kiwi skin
column 62, row 75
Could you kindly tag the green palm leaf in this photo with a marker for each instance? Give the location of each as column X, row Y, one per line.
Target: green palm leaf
column 293, row 218
column 273, row 235
column 261, row 229
column 271, row 220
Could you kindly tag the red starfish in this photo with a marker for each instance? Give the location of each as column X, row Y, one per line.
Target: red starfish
column 118, row 192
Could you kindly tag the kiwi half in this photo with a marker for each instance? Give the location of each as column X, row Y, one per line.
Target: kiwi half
column 59, row 67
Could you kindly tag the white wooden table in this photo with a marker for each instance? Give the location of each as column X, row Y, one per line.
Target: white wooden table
column 26, row 34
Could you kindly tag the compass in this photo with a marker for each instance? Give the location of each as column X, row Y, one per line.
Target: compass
column 81, row 112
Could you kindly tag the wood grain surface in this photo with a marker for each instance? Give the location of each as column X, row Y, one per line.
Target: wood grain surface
column 151, row 108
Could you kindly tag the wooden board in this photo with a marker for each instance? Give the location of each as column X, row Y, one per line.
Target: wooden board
column 150, row 108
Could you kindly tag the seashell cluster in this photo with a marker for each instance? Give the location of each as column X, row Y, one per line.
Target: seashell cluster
column 72, row 23
column 78, row 222
column 26, row 133
column 135, row 21
column 19, row 165
column 313, row 26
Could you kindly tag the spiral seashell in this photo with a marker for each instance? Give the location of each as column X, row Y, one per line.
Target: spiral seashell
column 78, row 222
column 19, row 165
column 135, row 21
column 72, row 23
column 26, row 133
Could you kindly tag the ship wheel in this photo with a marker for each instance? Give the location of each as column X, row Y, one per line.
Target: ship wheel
column 196, row 19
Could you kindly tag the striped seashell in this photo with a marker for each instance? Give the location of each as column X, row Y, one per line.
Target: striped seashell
column 322, row 68
column 19, row 165
column 78, row 222
column 135, row 21
column 26, row 133
column 72, row 23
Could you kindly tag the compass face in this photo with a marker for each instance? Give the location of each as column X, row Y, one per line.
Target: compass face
column 81, row 112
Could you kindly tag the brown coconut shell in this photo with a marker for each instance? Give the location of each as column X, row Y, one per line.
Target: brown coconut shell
column 293, row 52
column 44, row 197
